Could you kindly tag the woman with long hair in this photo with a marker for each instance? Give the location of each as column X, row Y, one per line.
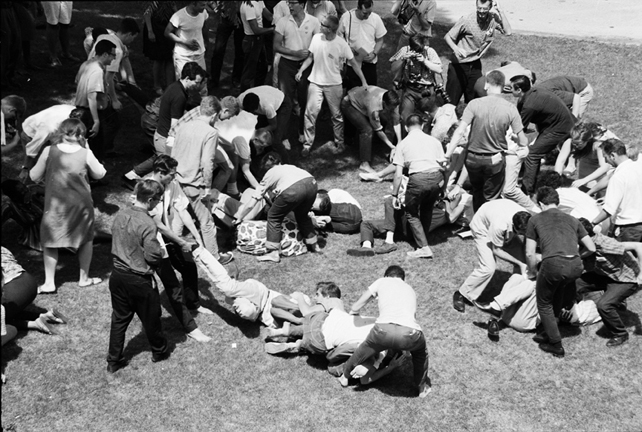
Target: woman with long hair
column 68, row 220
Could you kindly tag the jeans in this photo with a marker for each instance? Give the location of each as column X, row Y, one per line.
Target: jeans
column 289, row 86
column 630, row 233
column 134, row 294
column 397, row 337
column 299, row 199
column 421, row 194
column 333, row 95
column 363, row 126
column 486, row 174
column 223, row 32
column 554, row 288
column 410, row 99
column 511, row 191
column 282, row 126
column 254, row 62
column 546, row 141
column 614, row 294
column 174, row 293
column 189, row 273
column 103, row 141
column 461, row 80
column 393, row 220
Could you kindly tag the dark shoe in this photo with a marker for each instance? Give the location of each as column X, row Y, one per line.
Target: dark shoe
column 556, row 349
column 617, row 341
column 488, row 308
column 361, row 252
column 129, row 183
column 315, row 248
column 160, row 357
column 458, row 302
column 493, row 329
column 225, row 258
column 115, row 367
column 385, row 248
column 540, row 338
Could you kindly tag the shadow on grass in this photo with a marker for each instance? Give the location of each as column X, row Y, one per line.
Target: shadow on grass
column 139, row 344
column 11, row 351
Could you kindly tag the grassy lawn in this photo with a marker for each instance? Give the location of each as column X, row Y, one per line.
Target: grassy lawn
column 59, row 383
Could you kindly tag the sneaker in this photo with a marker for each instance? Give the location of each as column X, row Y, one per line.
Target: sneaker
column 361, row 252
column 281, row 348
column 160, row 357
column 225, row 258
column 424, row 252
column 370, row 177
column 385, row 248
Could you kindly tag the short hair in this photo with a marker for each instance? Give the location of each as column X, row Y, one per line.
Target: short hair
column 395, row 271
column 614, row 145
column 417, row 42
column 520, row 220
column 549, row 178
column 129, row 25
column 164, row 164
column 329, row 289
column 264, row 135
column 270, row 160
column 98, row 31
column 251, row 102
column 390, row 99
column 146, row 189
column 496, row 78
column 191, row 70
column 547, row 195
column 588, row 226
column 334, row 21
column 16, row 102
column 231, row 104
column 104, row 47
column 521, row 82
column 326, row 205
column 72, row 128
column 414, row 120
column 210, row 105
column 364, row 3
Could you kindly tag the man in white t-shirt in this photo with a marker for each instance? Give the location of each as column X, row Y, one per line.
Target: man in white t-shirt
column 364, row 30
column 495, row 228
column 186, row 28
column 253, row 14
column 327, row 55
column 396, row 327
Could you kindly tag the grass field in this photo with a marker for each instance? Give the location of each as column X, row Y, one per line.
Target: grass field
column 59, row 383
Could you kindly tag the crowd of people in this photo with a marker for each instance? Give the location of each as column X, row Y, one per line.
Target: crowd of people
column 317, row 62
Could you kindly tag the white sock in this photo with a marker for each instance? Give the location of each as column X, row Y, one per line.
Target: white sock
column 390, row 237
column 367, row 244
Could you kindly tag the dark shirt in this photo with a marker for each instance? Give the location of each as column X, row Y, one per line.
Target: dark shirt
column 544, row 109
column 565, row 87
column 556, row 233
column 172, row 106
column 135, row 247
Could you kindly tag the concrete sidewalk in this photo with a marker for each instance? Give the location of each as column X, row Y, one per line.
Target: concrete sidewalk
column 617, row 21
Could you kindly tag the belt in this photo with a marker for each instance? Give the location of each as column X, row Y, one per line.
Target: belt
column 484, row 154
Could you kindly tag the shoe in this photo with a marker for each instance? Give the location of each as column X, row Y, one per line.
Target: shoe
column 424, row 252
column 425, row 391
column 493, row 328
column 617, row 341
column 115, row 367
column 361, row 252
column 370, row 177
column 160, row 357
column 225, row 258
column 540, row 338
column 314, row 248
column 488, row 308
column 458, row 302
column 385, row 248
column 129, row 183
column 306, row 151
column 556, row 349
column 281, row 348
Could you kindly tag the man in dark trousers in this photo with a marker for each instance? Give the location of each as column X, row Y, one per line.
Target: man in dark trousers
column 136, row 255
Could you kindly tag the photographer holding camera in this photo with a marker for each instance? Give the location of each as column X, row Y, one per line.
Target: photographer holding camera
column 416, row 17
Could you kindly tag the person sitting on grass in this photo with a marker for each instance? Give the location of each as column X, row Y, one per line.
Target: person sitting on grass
column 336, row 210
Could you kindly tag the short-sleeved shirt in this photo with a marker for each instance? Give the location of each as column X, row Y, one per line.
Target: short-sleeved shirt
column 489, row 118
column 10, row 267
column 189, row 27
column 565, row 87
column 41, row 125
column 419, row 152
column 556, row 233
column 494, row 221
column 472, row 39
column 369, row 102
column 577, row 203
column 341, row 328
column 427, row 10
column 339, row 196
column 614, row 261
column 241, row 125
column 322, row 9
column 297, row 37
column 249, row 12
column 270, row 99
column 623, row 198
column 329, row 57
column 172, row 106
column 90, row 79
column 544, row 109
column 121, row 51
column 361, row 34
column 397, row 302
column 279, row 178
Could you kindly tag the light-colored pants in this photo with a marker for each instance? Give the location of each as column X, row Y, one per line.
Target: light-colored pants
column 519, row 303
column 585, row 98
column 160, row 144
column 511, row 190
column 333, row 95
column 57, row 12
column 180, row 60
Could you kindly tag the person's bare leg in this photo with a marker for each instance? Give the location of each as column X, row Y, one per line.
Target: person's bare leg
column 50, row 259
column 85, row 253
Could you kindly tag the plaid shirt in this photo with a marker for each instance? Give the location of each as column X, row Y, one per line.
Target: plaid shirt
column 613, row 261
column 187, row 117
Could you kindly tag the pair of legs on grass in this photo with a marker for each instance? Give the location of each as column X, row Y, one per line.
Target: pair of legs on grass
column 50, row 258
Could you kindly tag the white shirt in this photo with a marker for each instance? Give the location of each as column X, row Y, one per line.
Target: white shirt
column 241, row 125
column 121, row 51
column 340, row 328
column 329, row 57
column 297, row 37
column 41, row 125
column 189, row 27
column 397, row 302
column 339, row 196
column 494, row 220
column 419, row 152
column 270, row 99
column 623, row 198
column 281, row 10
column 361, row 34
column 251, row 12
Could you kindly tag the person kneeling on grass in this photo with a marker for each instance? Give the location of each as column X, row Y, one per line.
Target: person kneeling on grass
column 396, row 327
